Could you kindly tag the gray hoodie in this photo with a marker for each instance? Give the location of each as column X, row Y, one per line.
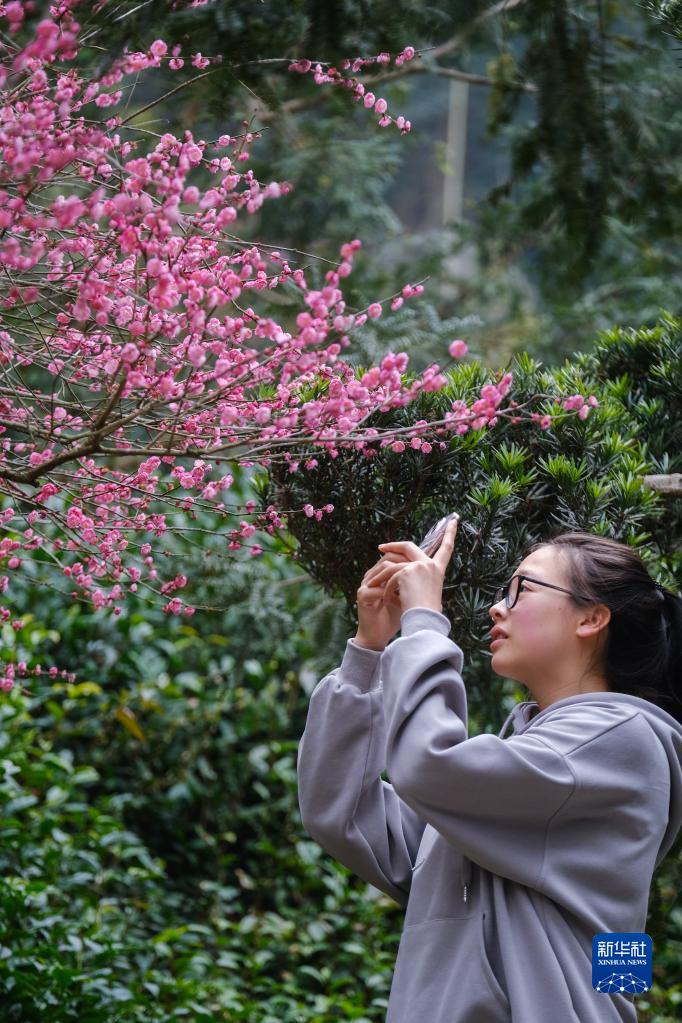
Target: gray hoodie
column 509, row 853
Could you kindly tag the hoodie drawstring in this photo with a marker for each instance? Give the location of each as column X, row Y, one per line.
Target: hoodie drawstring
column 465, row 878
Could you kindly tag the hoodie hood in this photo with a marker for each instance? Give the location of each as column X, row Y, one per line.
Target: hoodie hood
column 667, row 729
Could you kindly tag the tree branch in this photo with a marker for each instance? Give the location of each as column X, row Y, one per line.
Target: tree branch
column 665, row 484
column 155, row 102
column 465, row 76
column 416, row 68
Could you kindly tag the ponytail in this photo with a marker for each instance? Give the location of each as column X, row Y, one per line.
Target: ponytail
column 672, row 614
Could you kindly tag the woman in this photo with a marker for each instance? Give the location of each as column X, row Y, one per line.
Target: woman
column 510, row 853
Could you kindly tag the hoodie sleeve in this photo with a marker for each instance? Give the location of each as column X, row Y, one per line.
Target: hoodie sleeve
column 345, row 805
column 493, row 798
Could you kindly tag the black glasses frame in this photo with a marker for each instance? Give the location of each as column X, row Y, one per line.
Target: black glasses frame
column 503, row 592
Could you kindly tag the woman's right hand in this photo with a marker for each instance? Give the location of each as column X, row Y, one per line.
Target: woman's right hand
column 378, row 622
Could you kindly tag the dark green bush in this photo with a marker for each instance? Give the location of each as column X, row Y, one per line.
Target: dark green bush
column 186, row 888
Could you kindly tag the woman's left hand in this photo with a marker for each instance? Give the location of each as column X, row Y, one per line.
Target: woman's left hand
column 419, row 583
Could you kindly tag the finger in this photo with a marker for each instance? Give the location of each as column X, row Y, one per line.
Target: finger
column 375, row 599
column 391, row 593
column 392, row 588
column 405, row 547
column 447, row 546
column 369, row 597
column 384, row 575
column 379, row 566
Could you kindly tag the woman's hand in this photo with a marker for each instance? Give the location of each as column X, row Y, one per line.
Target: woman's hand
column 419, row 580
column 405, row 577
column 378, row 620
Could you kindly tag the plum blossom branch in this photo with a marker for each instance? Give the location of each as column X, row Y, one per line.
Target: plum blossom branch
column 139, row 350
column 434, row 53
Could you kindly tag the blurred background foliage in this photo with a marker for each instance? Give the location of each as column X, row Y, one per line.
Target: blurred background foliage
column 154, row 866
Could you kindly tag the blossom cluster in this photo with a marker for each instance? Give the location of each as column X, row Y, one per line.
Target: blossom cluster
column 10, row 672
column 139, row 350
column 326, row 74
column 134, row 309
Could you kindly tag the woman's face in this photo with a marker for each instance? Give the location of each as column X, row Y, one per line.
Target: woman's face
column 530, row 640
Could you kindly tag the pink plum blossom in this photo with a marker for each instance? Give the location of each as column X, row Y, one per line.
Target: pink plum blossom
column 164, row 355
column 458, row 349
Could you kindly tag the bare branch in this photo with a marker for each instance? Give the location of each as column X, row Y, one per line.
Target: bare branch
column 166, row 95
column 465, row 76
column 664, row 484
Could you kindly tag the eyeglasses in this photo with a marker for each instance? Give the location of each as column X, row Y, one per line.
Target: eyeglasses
column 510, row 592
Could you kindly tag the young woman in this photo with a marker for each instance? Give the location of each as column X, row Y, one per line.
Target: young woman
column 509, row 852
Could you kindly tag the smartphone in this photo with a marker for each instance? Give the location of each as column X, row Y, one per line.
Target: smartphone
column 432, row 540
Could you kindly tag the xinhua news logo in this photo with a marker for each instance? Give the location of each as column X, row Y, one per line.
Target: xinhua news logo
column 622, row 963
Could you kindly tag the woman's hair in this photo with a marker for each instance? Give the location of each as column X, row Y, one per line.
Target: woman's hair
column 643, row 651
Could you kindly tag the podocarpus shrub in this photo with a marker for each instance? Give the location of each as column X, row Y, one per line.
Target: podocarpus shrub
column 513, row 484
